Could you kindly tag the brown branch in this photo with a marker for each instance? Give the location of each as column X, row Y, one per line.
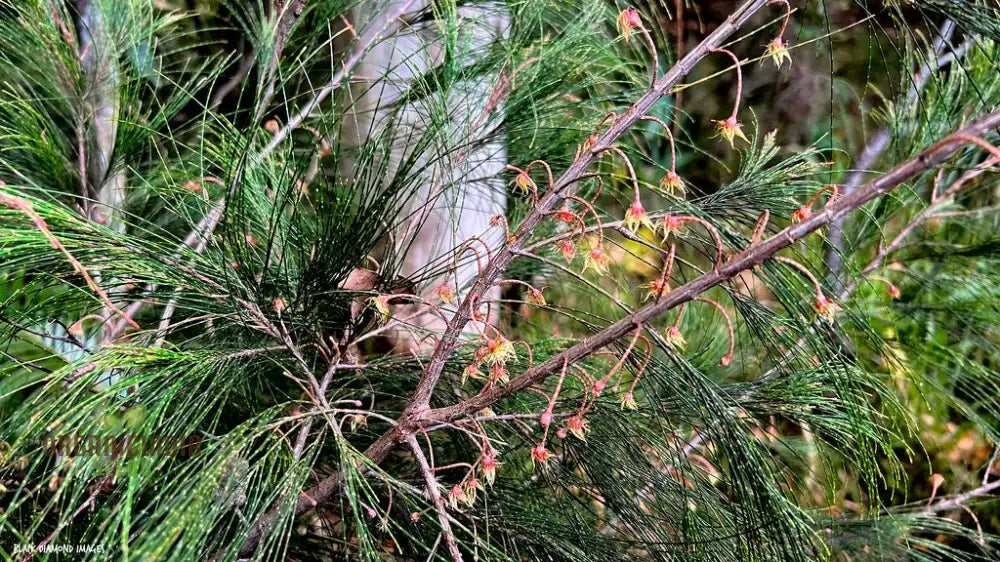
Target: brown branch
column 747, row 259
column 879, row 142
column 959, row 500
column 435, row 496
column 418, row 416
column 449, row 341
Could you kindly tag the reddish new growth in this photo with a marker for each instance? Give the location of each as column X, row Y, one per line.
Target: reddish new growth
column 661, row 285
column 673, row 224
column 25, row 207
column 728, row 357
column 823, row 306
column 805, row 212
column 730, row 128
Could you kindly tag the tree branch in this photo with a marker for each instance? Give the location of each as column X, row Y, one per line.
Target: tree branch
column 556, row 193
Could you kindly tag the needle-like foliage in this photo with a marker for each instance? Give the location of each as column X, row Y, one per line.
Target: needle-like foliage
column 206, row 208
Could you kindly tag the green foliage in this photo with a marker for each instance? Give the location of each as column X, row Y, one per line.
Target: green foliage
column 236, row 256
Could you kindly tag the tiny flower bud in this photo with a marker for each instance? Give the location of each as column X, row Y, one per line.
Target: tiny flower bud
column 279, row 305
column 445, row 293
column 801, row 214
column 545, row 419
column 192, row 186
column 271, row 126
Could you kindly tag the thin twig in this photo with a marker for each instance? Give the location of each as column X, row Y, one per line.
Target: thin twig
column 435, row 496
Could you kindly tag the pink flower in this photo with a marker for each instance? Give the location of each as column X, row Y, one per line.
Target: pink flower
column 657, row 288
column 628, row 402
column 489, row 466
column 824, row 307
column 536, row 297
column 628, row 20
column 674, row 337
column 568, row 249
column 671, row 225
column 455, row 495
column 541, row 455
column 445, row 293
column 894, row 291
column 596, row 259
column 578, row 427
column 730, row 129
column 636, row 216
column 672, row 184
column 777, row 49
column 469, row 489
column 499, row 374
column 279, row 305
column 545, row 419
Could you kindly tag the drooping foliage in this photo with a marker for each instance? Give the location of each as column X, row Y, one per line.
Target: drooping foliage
column 180, row 249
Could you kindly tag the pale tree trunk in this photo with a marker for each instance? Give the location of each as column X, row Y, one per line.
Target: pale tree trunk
column 461, row 184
